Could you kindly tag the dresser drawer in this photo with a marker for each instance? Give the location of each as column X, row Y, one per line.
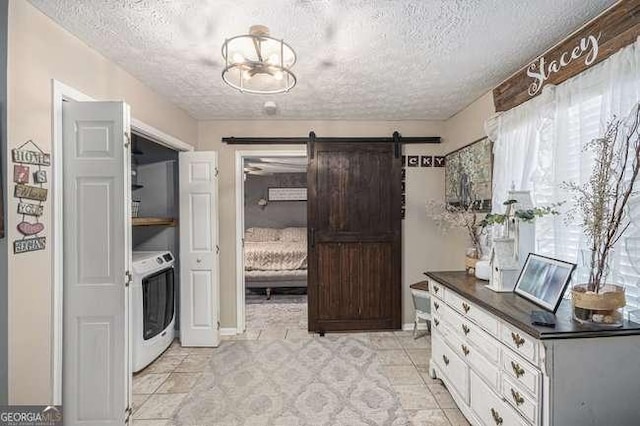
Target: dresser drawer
column 437, row 306
column 521, row 372
column 438, row 325
column 483, row 341
column 488, row 370
column 472, row 312
column 490, row 408
column 520, row 400
column 520, row 342
column 436, row 289
column 452, row 366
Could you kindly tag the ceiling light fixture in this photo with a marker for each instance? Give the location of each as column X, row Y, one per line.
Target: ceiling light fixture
column 258, row 63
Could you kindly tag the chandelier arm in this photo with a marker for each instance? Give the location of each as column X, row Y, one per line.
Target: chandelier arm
column 256, row 43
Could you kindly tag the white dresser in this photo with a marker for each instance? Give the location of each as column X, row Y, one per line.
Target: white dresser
column 501, row 370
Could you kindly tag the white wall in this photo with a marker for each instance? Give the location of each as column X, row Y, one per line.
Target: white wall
column 39, row 50
column 276, row 214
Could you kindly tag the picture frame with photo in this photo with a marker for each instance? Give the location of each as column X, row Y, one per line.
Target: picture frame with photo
column 543, row 280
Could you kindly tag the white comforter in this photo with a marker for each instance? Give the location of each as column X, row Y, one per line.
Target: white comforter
column 275, row 255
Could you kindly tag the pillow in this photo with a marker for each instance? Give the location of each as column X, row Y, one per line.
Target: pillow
column 260, row 235
column 293, row 234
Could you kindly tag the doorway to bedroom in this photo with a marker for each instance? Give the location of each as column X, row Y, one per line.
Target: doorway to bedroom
column 274, row 245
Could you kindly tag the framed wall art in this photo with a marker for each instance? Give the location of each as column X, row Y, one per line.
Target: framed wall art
column 468, row 175
column 287, row 194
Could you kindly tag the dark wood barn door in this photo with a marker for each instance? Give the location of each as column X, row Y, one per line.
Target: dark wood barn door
column 354, row 280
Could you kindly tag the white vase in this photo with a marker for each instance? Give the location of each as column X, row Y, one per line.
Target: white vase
column 483, row 270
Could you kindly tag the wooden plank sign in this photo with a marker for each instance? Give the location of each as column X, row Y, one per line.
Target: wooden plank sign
column 30, row 192
column 29, row 244
column 30, row 209
column 31, row 157
column 593, row 43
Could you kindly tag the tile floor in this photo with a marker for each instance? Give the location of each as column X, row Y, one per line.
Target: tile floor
column 159, row 389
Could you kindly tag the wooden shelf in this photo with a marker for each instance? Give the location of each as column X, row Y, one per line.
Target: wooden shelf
column 153, row 221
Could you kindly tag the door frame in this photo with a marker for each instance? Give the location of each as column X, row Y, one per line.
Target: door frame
column 61, row 93
column 240, row 157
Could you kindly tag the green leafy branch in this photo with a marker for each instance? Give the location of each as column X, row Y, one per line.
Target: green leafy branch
column 525, row 215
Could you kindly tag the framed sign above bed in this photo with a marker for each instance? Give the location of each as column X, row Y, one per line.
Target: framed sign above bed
column 287, row 194
column 468, row 175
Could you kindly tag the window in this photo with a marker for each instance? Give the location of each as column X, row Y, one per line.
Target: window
column 539, row 145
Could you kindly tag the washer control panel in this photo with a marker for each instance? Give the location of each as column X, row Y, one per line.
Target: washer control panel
column 146, row 262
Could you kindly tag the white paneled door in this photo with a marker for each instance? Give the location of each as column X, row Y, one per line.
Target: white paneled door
column 199, row 270
column 97, row 257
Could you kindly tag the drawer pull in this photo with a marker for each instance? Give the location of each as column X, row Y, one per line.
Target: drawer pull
column 436, row 289
column 466, row 329
column 436, row 305
column 445, row 359
column 436, row 322
column 465, row 350
column 517, row 397
column 519, row 371
column 496, row 417
column 517, row 339
column 465, row 307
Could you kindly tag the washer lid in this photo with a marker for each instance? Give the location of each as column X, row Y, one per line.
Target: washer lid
column 141, row 256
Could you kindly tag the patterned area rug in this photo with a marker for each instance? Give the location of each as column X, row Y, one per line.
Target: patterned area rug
column 280, row 314
column 336, row 380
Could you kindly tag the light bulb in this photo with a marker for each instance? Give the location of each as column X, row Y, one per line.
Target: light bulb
column 277, row 75
column 237, row 57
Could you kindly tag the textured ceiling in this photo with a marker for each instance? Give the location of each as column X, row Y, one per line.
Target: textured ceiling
column 359, row 59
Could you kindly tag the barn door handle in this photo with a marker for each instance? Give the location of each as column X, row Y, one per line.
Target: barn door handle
column 312, row 237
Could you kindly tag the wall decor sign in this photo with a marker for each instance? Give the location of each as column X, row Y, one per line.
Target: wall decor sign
column 31, row 157
column 30, row 163
column 30, row 209
column 287, row 194
column 439, row 161
column 468, row 175
column 28, row 228
column 40, row 176
column 20, row 173
column 596, row 41
column 29, row 244
column 403, row 191
column 30, row 192
column 540, row 70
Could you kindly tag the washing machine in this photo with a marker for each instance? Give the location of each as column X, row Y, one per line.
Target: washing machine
column 152, row 305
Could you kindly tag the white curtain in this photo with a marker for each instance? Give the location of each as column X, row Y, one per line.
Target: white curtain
column 539, row 145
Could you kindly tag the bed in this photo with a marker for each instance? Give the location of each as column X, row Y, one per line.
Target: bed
column 275, row 258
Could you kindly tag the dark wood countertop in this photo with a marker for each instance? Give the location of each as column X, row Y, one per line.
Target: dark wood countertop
column 516, row 310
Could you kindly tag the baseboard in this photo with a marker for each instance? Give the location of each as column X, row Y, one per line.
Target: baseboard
column 409, row 326
column 231, row 331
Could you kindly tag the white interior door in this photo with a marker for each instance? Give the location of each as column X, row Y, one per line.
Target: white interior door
column 199, row 271
column 97, row 257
